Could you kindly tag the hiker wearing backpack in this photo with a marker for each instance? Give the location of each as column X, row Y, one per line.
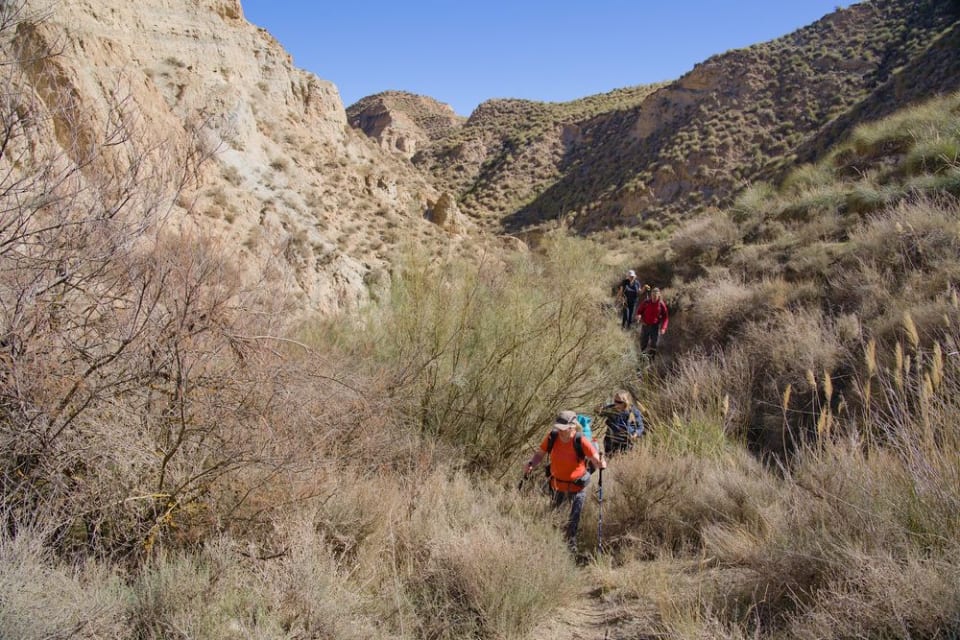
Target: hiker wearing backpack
column 624, row 423
column 569, row 451
column 654, row 318
column 628, row 294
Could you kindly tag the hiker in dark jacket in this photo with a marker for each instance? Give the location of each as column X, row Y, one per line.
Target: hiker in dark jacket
column 654, row 318
column 624, row 423
column 628, row 294
column 568, row 469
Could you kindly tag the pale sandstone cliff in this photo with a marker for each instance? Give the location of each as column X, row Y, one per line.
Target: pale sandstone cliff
column 302, row 199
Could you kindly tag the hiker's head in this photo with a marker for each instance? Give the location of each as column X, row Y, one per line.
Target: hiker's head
column 566, row 423
column 622, row 399
column 631, row 274
column 655, row 293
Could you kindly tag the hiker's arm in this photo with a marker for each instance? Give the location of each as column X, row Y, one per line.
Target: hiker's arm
column 534, row 461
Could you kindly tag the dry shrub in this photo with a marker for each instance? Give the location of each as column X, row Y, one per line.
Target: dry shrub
column 866, row 198
column 754, row 261
column 312, row 593
column 885, row 597
column 706, row 390
column 498, row 570
column 43, row 598
column 659, row 503
column 719, row 307
column 847, row 528
column 806, row 178
column 809, row 262
column 916, row 236
column 810, row 204
column 854, row 286
column 224, row 591
column 701, row 242
column 754, row 203
column 931, row 319
column 791, row 354
column 374, row 556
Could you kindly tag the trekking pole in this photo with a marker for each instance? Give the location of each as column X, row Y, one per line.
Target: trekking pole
column 522, row 478
column 600, row 515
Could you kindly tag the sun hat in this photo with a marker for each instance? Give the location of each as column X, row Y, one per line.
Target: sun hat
column 565, row 419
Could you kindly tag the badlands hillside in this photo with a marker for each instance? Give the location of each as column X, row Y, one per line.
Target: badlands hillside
column 316, row 198
column 646, row 157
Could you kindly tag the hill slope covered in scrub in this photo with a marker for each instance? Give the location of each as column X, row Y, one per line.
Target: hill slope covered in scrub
column 643, row 158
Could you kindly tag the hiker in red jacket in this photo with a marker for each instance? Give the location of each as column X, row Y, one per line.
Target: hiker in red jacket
column 653, row 316
column 569, row 451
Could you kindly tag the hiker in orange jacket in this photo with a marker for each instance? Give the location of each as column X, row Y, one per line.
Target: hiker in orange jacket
column 569, row 452
column 654, row 318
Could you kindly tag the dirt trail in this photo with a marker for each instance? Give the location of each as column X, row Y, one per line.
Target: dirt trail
column 592, row 616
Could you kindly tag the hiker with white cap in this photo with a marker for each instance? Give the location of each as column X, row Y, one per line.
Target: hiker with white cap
column 569, row 451
column 628, row 295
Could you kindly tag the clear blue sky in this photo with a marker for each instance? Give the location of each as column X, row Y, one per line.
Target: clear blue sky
column 463, row 53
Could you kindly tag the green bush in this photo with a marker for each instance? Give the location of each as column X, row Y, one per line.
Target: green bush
column 485, row 358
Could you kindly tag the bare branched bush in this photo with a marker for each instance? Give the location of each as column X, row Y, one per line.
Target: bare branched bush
column 124, row 385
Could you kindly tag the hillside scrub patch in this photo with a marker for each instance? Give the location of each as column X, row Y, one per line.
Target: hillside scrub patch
column 899, row 132
column 702, row 242
column 807, row 178
column 721, row 305
column 661, row 502
column 922, row 235
column 709, row 390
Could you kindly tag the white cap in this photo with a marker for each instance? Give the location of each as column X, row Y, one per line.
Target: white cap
column 632, row 273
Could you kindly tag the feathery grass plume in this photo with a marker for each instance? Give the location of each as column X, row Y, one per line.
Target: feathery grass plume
column 823, row 423
column 927, row 393
column 827, row 386
column 936, row 367
column 870, row 357
column 911, row 330
column 898, row 366
column 954, row 299
column 811, row 379
column 785, row 399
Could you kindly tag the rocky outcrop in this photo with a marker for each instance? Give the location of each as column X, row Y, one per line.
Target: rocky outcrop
column 403, row 122
column 445, row 213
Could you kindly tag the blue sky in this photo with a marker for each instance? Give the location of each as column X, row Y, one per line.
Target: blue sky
column 463, row 53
